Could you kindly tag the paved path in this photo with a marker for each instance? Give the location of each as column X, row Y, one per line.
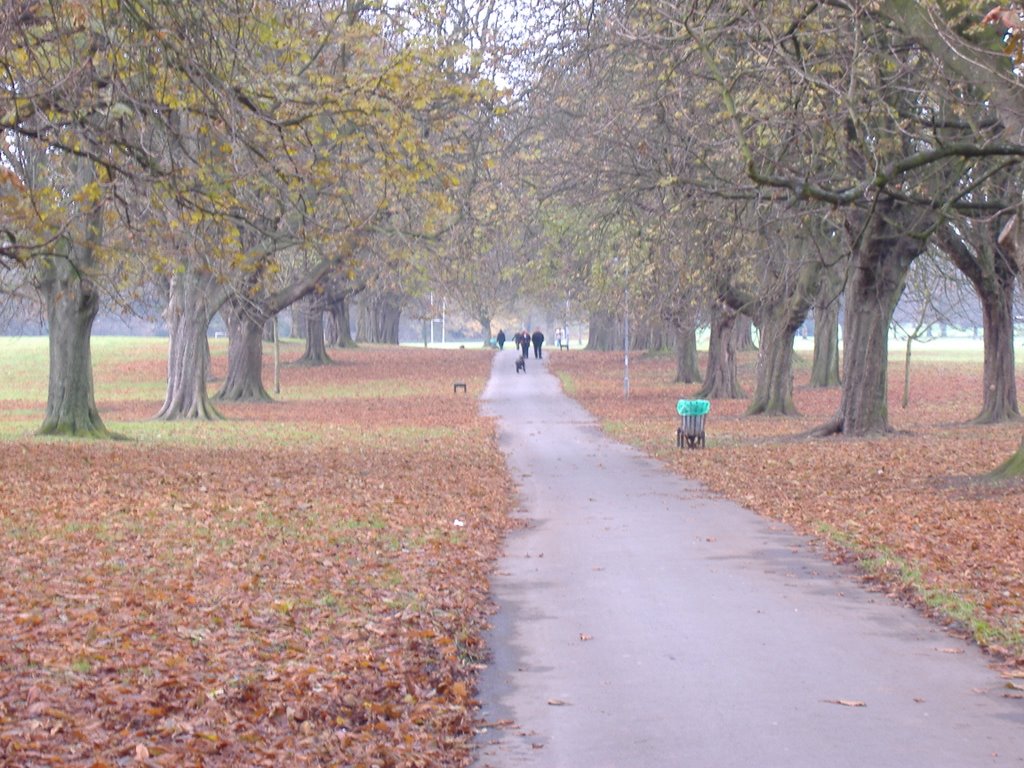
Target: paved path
column 643, row 623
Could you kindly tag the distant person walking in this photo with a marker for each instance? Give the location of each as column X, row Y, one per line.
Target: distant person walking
column 538, row 340
column 501, row 339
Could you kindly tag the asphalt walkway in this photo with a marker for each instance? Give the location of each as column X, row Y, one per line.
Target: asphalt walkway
column 643, row 623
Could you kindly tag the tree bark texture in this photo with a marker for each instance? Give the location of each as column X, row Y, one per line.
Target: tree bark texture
column 721, row 380
column 825, row 365
column 999, row 378
column 744, row 330
column 66, row 280
column 882, row 257
column 339, row 330
column 687, row 365
column 316, row 343
column 773, row 394
column 780, row 320
column 72, row 303
column 194, row 300
column 992, row 269
column 244, row 382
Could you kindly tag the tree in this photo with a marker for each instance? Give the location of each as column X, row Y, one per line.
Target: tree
column 67, row 153
column 316, row 331
column 195, row 298
column 992, row 269
column 337, row 300
column 246, row 314
column 68, row 280
column 881, row 142
column 789, row 284
column 884, row 252
column 721, row 379
column 825, row 360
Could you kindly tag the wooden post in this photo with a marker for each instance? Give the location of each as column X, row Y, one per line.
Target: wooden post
column 277, row 359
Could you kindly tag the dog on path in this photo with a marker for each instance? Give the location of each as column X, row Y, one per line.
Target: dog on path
column 520, row 364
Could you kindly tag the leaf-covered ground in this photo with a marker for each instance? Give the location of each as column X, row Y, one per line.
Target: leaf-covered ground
column 910, row 507
column 304, row 584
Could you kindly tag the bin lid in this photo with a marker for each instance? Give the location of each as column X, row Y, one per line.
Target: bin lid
column 693, row 407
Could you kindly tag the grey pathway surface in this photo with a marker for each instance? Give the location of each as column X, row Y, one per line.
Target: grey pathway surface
column 644, row 623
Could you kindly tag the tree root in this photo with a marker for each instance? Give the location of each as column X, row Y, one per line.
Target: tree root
column 829, row 428
column 91, row 427
column 1012, row 467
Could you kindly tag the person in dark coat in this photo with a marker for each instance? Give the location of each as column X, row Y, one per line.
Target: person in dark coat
column 501, row 339
column 538, row 340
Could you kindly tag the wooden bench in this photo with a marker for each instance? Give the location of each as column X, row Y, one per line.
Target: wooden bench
column 457, row 386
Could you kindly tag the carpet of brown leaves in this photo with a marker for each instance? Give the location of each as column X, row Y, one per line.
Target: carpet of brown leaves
column 911, row 507
column 304, row 584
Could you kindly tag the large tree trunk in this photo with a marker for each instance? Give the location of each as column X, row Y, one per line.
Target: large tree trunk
column 999, row 379
column 339, row 330
column 990, row 266
column 871, row 302
column 194, row 300
column 687, row 366
column 773, row 394
column 721, row 380
column 246, row 319
column 882, row 258
column 244, row 382
column 72, row 303
column 744, row 330
column 316, row 345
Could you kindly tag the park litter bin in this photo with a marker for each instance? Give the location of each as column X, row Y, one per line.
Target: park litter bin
column 692, row 414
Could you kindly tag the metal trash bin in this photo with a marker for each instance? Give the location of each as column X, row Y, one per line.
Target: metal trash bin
column 692, row 415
